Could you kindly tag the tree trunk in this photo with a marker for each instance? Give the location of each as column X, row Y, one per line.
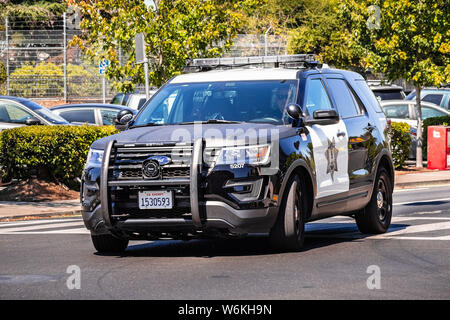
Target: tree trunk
column 419, row 152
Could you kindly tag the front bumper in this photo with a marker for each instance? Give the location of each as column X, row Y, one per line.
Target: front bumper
column 201, row 208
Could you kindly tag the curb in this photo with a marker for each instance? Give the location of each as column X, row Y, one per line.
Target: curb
column 40, row 215
column 405, row 185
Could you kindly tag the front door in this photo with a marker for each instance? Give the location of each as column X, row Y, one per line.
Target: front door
column 329, row 143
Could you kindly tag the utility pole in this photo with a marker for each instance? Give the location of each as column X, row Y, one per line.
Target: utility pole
column 139, row 45
column 7, row 55
column 65, row 55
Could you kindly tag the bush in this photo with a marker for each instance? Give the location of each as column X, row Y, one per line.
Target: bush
column 400, row 143
column 55, row 153
column 435, row 121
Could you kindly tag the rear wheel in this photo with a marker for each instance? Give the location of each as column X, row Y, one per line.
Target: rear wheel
column 288, row 233
column 376, row 216
column 107, row 243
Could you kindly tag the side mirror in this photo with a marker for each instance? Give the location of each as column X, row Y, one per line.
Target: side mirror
column 122, row 119
column 32, row 121
column 323, row 117
column 294, row 111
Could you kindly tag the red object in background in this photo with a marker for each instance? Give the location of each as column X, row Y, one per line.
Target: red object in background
column 438, row 148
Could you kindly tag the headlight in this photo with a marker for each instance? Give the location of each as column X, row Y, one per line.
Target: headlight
column 259, row 155
column 94, row 158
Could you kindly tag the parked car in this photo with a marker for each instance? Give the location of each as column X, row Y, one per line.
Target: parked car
column 386, row 91
column 406, row 111
column 17, row 112
column 132, row 100
column 90, row 113
column 440, row 97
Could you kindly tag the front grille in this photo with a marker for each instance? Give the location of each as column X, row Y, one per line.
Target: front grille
column 126, row 162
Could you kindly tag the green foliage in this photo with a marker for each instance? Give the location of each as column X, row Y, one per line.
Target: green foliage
column 59, row 151
column 322, row 32
column 2, row 73
column 434, row 121
column 47, row 79
column 400, row 143
column 175, row 31
column 410, row 40
column 31, row 14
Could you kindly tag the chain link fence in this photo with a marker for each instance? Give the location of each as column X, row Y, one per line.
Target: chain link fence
column 38, row 64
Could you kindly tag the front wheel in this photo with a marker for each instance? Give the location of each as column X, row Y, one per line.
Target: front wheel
column 376, row 216
column 107, row 243
column 288, row 232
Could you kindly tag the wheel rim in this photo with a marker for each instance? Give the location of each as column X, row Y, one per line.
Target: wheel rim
column 383, row 201
column 297, row 216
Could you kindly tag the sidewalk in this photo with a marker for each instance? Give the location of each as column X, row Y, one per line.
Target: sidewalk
column 17, row 210
column 417, row 179
column 14, row 210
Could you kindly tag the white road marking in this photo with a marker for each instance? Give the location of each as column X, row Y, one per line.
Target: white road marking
column 420, row 201
column 37, row 227
column 38, row 221
column 409, row 190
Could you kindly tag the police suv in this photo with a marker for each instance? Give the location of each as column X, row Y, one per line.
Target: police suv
column 240, row 146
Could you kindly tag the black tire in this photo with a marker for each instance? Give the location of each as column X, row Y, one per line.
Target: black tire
column 376, row 217
column 106, row 243
column 288, row 233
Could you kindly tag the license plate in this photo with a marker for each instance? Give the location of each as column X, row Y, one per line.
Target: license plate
column 155, row 200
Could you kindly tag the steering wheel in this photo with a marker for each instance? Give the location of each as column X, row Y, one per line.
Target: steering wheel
column 216, row 116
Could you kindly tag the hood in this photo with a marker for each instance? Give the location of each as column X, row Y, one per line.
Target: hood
column 214, row 134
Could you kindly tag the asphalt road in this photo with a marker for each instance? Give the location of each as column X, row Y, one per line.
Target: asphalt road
column 413, row 260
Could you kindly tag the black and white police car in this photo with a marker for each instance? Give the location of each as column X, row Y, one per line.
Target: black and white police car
column 234, row 148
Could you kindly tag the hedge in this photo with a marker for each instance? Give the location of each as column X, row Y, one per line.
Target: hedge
column 435, row 121
column 55, row 153
column 400, row 143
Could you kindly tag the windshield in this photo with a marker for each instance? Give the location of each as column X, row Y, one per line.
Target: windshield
column 244, row 101
column 50, row 116
column 45, row 113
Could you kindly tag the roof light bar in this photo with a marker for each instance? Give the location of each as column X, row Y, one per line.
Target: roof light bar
column 239, row 61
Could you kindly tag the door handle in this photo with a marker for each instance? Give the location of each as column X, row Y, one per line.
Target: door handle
column 341, row 134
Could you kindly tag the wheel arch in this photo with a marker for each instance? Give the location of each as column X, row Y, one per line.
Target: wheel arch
column 385, row 161
column 300, row 167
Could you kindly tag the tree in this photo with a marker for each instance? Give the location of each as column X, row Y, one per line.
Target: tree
column 175, row 30
column 403, row 39
column 322, row 32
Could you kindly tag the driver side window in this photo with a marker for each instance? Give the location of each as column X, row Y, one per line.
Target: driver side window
column 13, row 114
column 317, row 97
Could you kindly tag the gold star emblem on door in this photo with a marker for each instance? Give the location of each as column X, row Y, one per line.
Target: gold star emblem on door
column 331, row 154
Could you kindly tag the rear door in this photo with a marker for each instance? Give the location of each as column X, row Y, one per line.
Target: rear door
column 329, row 143
column 361, row 143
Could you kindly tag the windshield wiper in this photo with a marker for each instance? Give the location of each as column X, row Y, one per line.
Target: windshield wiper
column 150, row 124
column 209, row 121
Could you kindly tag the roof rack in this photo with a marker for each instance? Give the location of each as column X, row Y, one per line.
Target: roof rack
column 293, row 61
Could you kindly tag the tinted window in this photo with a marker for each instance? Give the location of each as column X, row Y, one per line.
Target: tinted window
column 345, row 101
column 433, row 98
column 85, row 115
column 249, row 101
column 141, row 103
column 397, row 111
column 368, row 94
column 389, row 94
column 13, row 114
column 125, row 99
column 428, row 112
column 317, row 97
column 108, row 116
column 117, row 98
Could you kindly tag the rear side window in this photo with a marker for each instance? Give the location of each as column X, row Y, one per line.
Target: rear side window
column 368, row 94
column 79, row 116
column 428, row 112
column 397, row 111
column 433, row 98
column 346, row 102
column 317, row 97
column 389, row 94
